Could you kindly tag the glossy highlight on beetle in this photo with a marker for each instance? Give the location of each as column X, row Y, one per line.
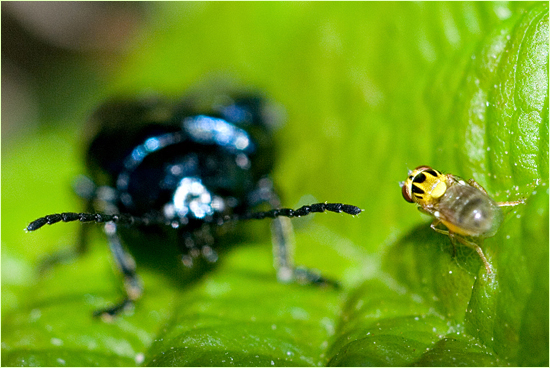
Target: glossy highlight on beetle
column 464, row 208
column 178, row 176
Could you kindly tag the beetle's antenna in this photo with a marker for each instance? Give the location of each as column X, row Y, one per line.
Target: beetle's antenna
column 302, row 211
column 98, row 218
column 125, row 219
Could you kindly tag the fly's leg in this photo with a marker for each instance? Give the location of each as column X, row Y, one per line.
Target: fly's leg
column 444, row 232
column 467, row 243
column 477, row 249
column 511, row 203
column 475, row 184
column 127, row 266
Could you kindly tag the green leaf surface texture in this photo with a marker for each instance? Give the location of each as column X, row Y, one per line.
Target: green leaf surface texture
column 369, row 91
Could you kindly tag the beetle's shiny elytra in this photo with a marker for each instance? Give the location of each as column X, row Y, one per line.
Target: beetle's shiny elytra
column 464, row 208
column 181, row 173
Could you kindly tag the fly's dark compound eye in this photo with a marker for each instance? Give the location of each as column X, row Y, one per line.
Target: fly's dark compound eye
column 405, row 192
column 176, row 175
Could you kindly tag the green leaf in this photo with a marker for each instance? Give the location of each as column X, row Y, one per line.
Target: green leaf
column 370, row 89
column 503, row 134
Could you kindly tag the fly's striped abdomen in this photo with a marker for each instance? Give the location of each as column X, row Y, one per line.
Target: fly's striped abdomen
column 469, row 211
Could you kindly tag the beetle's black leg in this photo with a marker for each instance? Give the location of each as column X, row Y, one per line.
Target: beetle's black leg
column 282, row 235
column 198, row 243
column 191, row 250
column 127, row 265
column 86, row 189
column 206, row 243
column 282, row 238
column 283, row 257
column 281, row 228
column 68, row 254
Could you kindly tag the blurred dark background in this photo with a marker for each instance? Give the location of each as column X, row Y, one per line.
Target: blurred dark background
column 55, row 54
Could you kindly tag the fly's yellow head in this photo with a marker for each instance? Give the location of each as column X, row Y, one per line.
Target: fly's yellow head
column 424, row 186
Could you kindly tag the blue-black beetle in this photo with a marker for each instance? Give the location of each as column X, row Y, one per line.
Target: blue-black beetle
column 182, row 172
